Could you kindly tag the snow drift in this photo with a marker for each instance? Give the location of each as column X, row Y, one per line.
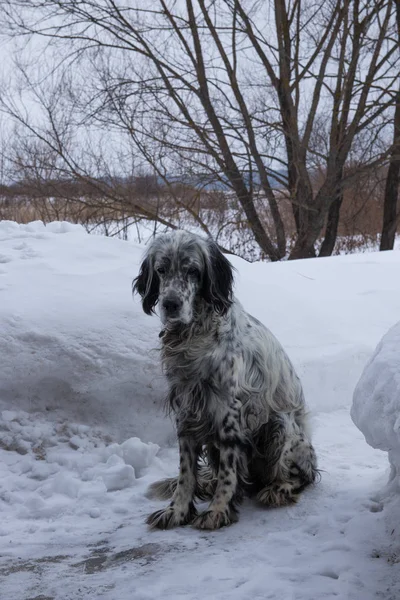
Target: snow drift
column 376, row 401
column 72, row 341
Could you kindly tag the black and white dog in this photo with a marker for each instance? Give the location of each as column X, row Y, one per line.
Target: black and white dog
column 239, row 405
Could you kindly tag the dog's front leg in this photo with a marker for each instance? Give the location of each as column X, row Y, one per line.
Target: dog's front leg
column 232, row 469
column 181, row 510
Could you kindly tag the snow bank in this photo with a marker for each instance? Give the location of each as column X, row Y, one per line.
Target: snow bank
column 73, row 343
column 20, row 230
column 376, row 401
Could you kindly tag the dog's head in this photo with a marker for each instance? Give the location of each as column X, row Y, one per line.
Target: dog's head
column 180, row 271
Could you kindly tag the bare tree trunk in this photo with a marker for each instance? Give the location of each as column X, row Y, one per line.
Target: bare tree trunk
column 325, row 198
column 390, row 214
column 304, row 246
column 332, row 224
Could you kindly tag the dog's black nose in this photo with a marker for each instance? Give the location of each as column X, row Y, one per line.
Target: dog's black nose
column 172, row 305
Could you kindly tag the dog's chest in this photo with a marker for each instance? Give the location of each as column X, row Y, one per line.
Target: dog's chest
column 189, row 365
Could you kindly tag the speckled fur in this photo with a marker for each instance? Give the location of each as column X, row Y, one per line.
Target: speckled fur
column 237, row 399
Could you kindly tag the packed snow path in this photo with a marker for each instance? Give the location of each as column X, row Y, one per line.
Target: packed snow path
column 80, row 383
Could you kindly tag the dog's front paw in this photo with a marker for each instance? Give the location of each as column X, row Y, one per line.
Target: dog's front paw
column 215, row 519
column 170, row 517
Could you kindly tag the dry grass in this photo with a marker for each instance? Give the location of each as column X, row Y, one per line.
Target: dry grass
column 216, row 212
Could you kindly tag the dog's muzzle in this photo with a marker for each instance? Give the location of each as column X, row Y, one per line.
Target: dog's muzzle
column 172, row 305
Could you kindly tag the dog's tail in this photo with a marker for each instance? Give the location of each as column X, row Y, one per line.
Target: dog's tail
column 162, row 490
column 165, row 489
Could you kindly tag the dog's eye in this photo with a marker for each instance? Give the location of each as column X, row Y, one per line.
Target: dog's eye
column 160, row 270
column 193, row 272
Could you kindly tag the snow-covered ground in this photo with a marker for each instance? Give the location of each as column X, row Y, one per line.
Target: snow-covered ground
column 80, row 383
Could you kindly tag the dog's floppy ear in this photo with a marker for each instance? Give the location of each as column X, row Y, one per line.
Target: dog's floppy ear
column 217, row 280
column 146, row 284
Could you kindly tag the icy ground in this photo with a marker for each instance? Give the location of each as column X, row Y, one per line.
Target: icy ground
column 80, row 383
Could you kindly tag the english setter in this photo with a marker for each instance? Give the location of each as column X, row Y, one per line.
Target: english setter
column 239, row 405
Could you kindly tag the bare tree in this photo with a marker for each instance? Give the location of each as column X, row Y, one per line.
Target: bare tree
column 390, row 210
column 233, row 88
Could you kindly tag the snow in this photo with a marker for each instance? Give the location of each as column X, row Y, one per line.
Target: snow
column 83, row 433
column 376, row 412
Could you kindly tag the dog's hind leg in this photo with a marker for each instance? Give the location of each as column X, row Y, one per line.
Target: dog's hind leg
column 290, row 462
